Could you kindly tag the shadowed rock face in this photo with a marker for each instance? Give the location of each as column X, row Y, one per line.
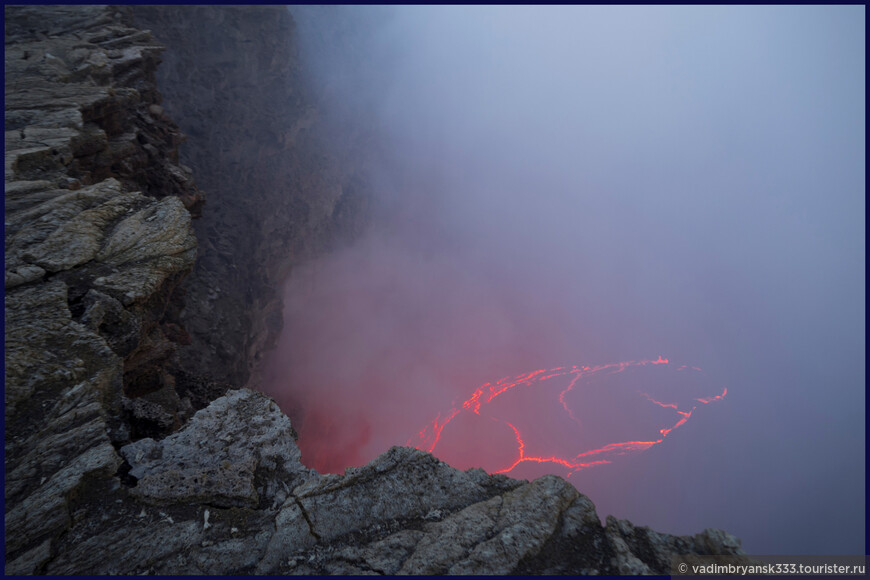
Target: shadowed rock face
column 109, row 467
column 275, row 194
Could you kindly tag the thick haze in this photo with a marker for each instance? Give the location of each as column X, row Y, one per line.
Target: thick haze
column 586, row 185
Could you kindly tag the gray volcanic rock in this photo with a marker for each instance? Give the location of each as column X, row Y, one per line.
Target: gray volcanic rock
column 87, row 249
column 214, row 459
column 108, row 468
column 493, row 536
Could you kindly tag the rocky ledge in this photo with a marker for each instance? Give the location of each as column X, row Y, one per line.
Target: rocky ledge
column 108, row 467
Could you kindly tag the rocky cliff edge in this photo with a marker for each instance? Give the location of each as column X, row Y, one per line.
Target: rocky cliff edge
column 98, row 236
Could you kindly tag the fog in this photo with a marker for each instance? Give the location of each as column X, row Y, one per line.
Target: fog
column 585, row 185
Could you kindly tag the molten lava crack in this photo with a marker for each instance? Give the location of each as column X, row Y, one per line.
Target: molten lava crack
column 428, row 438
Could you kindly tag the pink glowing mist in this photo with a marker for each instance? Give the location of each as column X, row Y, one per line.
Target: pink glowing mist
column 384, row 348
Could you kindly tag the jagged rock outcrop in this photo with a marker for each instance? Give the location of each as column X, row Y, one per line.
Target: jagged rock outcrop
column 228, row 495
column 97, row 235
column 216, row 457
column 110, row 467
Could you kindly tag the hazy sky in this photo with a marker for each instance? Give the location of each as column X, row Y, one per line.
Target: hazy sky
column 588, row 185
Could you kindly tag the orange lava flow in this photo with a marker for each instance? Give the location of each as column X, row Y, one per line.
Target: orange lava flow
column 428, row 438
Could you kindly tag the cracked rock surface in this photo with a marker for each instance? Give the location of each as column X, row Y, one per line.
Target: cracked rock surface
column 114, row 464
column 96, row 236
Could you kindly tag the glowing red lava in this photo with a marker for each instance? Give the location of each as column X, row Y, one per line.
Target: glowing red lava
column 572, row 438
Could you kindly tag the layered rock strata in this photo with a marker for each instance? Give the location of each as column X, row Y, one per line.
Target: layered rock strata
column 110, row 467
column 97, row 236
